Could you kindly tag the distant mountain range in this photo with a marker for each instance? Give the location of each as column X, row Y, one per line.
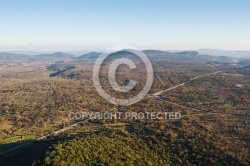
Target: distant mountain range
column 195, row 55
column 185, row 55
column 218, row 52
column 201, row 55
column 11, row 57
column 54, row 56
column 57, row 56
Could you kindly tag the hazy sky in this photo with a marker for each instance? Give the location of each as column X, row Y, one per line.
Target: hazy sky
column 98, row 24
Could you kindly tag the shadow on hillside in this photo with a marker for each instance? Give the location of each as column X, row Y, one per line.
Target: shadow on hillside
column 28, row 154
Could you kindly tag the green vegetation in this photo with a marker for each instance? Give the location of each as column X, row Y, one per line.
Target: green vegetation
column 6, row 91
column 107, row 148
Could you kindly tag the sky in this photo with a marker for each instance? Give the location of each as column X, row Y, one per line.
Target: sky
column 59, row 25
